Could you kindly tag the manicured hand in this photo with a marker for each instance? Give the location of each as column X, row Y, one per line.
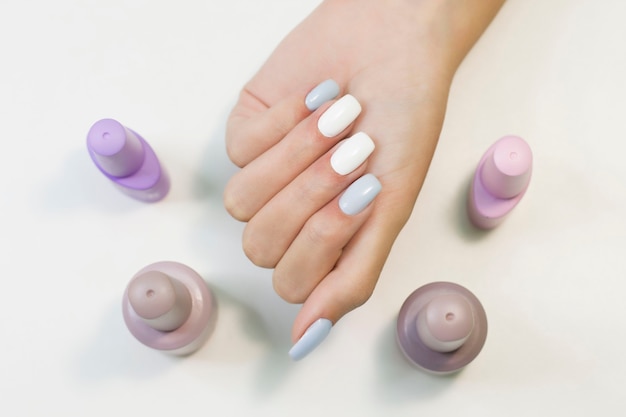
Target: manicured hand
column 334, row 135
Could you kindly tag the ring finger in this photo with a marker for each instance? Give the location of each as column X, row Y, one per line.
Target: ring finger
column 320, row 243
column 251, row 188
column 272, row 230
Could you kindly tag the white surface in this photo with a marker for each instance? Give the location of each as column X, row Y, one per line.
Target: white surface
column 552, row 278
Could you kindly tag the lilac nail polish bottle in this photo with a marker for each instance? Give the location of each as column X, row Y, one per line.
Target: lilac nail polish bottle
column 168, row 306
column 500, row 181
column 441, row 327
column 127, row 160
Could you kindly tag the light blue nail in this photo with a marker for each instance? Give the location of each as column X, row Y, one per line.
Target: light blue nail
column 314, row 335
column 359, row 194
column 326, row 90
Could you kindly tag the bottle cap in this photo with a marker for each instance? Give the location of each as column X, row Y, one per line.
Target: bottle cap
column 116, row 150
column 168, row 306
column 507, row 168
column 441, row 327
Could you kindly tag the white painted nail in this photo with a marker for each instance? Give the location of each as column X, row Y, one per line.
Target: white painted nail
column 339, row 116
column 351, row 153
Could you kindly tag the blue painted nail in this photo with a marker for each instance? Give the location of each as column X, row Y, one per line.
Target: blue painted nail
column 326, row 90
column 314, row 335
column 359, row 194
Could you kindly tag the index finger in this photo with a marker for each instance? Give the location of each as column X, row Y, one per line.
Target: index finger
column 253, row 126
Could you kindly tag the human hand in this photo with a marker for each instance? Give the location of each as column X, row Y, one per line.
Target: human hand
column 397, row 59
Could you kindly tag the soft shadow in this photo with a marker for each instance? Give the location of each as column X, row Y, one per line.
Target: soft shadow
column 459, row 217
column 276, row 365
column 113, row 352
column 273, row 370
column 78, row 184
column 258, row 330
column 235, row 317
column 214, row 232
column 262, row 316
column 215, row 168
column 399, row 380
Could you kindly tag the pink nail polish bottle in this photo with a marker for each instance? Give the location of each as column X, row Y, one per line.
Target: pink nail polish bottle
column 168, row 306
column 500, row 181
column 441, row 327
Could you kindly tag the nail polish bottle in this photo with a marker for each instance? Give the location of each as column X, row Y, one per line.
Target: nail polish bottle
column 168, row 306
column 500, row 181
column 441, row 327
column 127, row 160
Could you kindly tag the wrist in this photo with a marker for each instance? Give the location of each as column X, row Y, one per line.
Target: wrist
column 456, row 25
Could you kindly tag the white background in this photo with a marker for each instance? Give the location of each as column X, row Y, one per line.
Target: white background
column 551, row 278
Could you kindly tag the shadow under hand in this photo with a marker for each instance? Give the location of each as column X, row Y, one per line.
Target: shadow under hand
column 399, row 380
column 243, row 334
column 215, row 168
column 239, row 331
column 254, row 323
column 78, row 184
column 114, row 352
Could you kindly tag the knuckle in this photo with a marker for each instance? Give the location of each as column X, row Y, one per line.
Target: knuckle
column 321, row 232
column 234, row 151
column 234, row 204
column 235, row 154
column 258, row 252
column 357, row 295
column 286, row 289
column 257, row 255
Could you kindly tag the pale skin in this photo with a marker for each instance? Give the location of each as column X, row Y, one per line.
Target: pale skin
column 398, row 58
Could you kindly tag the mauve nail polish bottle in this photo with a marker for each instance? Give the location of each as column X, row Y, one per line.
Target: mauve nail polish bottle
column 127, row 160
column 500, row 181
column 168, row 306
column 441, row 327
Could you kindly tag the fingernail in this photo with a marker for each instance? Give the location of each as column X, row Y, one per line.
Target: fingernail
column 314, row 335
column 359, row 194
column 339, row 116
column 351, row 153
column 326, row 90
